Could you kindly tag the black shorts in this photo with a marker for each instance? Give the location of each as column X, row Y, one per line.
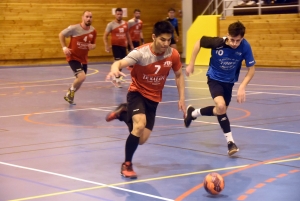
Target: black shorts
column 77, row 67
column 217, row 88
column 138, row 104
column 135, row 44
column 172, row 41
column 119, row 52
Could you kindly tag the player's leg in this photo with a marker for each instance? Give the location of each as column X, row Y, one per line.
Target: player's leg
column 79, row 72
column 119, row 53
column 173, row 43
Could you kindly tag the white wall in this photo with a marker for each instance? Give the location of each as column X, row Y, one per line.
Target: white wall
column 187, row 20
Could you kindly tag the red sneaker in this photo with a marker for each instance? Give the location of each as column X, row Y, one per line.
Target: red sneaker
column 127, row 170
column 116, row 113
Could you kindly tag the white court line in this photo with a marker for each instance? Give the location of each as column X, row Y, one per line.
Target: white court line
column 86, row 181
column 100, row 109
column 253, row 128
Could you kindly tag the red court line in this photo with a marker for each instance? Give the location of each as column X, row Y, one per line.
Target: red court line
column 281, row 175
column 270, row 180
column 250, row 191
column 192, row 190
column 242, row 197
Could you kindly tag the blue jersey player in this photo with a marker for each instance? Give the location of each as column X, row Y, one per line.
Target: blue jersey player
column 225, row 64
column 173, row 20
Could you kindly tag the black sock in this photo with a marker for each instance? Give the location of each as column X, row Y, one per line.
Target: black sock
column 132, row 143
column 224, row 123
column 207, row 111
column 123, row 117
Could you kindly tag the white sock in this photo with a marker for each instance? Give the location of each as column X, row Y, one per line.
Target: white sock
column 72, row 88
column 229, row 137
column 196, row 113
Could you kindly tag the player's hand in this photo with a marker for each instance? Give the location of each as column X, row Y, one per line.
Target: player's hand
column 241, row 95
column 66, row 51
column 181, row 106
column 112, row 74
column 107, row 48
column 189, row 69
column 91, row 46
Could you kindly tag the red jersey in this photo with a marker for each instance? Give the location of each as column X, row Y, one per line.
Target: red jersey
column 118, row 33
column 150, row 70
column 135, row 29
column 80, row 38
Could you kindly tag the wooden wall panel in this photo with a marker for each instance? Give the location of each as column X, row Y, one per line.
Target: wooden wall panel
column 29, row 29
column 274, row 39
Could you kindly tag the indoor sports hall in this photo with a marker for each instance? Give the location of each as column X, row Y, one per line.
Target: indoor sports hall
column 53, row 151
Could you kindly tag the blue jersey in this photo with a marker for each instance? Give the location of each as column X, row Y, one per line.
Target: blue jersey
column 225, row 62
column 174, row 22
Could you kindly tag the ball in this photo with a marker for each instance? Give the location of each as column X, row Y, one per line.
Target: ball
column 213, row 183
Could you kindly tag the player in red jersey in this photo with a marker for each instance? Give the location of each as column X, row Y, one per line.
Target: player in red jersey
column 118, row 29
column 151, row 63
column 83, row 39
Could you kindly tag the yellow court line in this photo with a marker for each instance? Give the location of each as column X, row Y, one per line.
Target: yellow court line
column 95, row 72
column 144, row 180
column 124, row 183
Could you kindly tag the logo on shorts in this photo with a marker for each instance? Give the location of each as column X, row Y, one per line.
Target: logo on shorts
column 135, row 110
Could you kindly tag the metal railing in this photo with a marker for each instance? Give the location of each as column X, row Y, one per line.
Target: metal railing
column 229, row 7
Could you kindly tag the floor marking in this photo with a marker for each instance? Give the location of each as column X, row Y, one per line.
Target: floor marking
column 122, row 183
column 82, row 180
column 270, row 180
column 38, row 81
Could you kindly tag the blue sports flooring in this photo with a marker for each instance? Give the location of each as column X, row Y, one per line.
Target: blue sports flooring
column 50, row 150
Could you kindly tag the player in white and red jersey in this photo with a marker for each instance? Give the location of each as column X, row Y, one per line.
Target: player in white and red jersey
column 118, row 29
column 152, row 63
column 135, row 26
column 83, row 39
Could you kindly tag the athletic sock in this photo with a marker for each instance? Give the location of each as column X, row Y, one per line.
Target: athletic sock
column 132, row 143
column 229, row 137
column 224, row 123
column 207, row 111
column 72, row 88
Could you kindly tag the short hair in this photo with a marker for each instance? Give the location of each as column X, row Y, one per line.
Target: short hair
column 171, row 9
column 163, row 27
column 236, row 29
column 118, row 9
column 136, row 10
column 86, row 11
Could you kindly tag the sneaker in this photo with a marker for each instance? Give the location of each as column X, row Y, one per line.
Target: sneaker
column 232, row 148
column 127, row 170
column 117, row 82
column 69, row 97
column 189, row 118
column 116, row 113
column 250, row 3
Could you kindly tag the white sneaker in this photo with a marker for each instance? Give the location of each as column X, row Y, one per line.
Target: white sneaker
column 241, row 3
column 117, row 82
column 261, row 2
column 250, row 3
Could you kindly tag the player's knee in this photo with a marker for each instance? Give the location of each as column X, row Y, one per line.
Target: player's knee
column 221, row 108
column 81, row 76
column 139, row 127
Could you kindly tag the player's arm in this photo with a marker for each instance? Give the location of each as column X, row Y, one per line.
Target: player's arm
column 92, row 45
column 205, row 42
column 142, row 37
column 179, row 79
column 241, row 93
column 105, row 41
column 62, row 40
column 129, row 40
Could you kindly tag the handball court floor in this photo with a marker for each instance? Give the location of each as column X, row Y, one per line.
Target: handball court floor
column 50, row 150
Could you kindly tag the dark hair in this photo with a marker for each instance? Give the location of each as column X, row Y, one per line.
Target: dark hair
column 163, row 27
column 171, row 9
column 118, row 9
column 136, row 10
column 236, row 29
